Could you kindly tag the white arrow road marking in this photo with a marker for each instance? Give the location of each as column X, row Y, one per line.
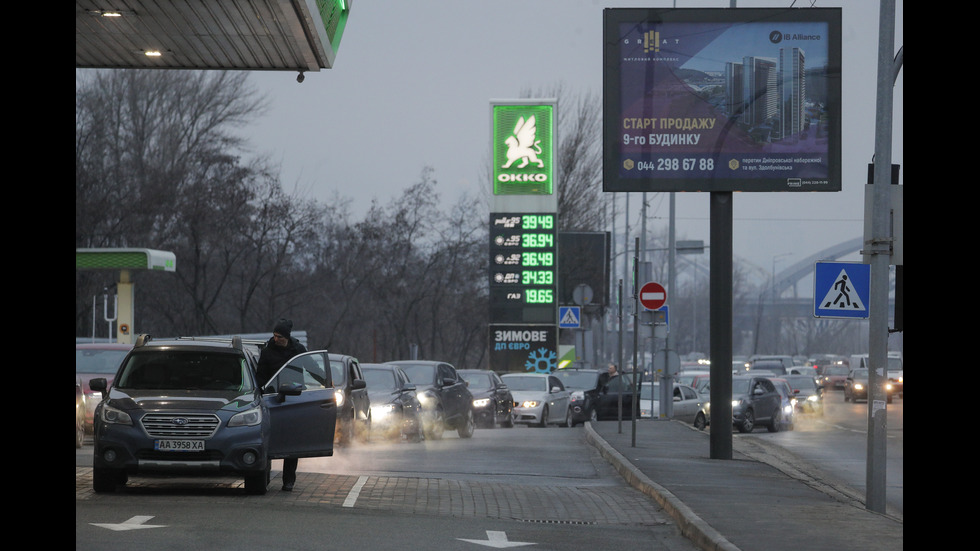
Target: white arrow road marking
column 135, row 523
column 497, row 540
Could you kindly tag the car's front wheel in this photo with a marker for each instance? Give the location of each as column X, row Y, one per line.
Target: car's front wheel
column 435, row 424
column 467, row 425
column 544, row 417
column 106, row 480
column 568, row 418
column 700, row 421
column 593, row 415
column 257, row 484
column 748, row 422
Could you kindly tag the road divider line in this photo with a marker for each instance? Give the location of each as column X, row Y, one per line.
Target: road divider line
column 355, row 491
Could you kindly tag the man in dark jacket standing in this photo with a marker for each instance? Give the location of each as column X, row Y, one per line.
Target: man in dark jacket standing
column 279, row 350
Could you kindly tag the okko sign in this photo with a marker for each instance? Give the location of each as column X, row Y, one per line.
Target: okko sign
column 523, row 148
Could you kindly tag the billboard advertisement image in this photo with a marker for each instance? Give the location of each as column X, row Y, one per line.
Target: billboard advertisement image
column 722, row 99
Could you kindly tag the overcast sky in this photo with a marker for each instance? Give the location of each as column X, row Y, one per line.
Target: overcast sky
column 413, row 82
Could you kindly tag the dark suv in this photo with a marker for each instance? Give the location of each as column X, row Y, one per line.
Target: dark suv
column 446, row 402
column 193, row 407
column 755, row 401
column 585, row 387
column 353, row 403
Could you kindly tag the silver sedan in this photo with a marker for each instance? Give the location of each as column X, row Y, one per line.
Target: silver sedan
column 540, row 399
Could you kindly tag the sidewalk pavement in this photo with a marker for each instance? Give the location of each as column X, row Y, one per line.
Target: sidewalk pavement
column 756, row 501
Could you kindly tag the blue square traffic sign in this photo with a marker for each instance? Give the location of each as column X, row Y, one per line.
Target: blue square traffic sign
column 841, row 290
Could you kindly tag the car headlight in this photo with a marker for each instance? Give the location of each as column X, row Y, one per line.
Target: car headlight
column 339, row 395
column 382, row 412
column 529, row 404
column 578, row 396
column 426, row 399
column 113, row 416
column 788, row 409
column 858, row 386
column 481, row 402
column 812, row 398
column 888, row 387
column 248, row 418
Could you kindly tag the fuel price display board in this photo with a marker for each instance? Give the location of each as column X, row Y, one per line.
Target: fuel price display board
column 523, row 268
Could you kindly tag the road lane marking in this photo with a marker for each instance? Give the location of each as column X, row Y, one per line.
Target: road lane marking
column 355, row 491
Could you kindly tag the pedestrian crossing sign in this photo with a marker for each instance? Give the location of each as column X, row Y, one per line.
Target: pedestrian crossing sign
column 841, row 290
column 569, row 317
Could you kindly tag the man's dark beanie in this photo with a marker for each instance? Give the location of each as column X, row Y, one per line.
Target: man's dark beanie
column 283, row 327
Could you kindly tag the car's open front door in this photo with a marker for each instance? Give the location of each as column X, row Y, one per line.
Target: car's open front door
column 302, row 407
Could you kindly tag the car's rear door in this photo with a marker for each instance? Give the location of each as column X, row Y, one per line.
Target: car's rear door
column 302, row 425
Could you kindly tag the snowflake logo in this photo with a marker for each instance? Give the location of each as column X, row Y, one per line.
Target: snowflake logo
column 541, row 361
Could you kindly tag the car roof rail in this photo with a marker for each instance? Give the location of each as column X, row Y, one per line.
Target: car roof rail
column 142, row 339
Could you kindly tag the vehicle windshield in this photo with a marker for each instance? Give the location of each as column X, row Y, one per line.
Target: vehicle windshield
column 517, row 382
column 650, row 392
column 420, row 373
column 836, row 371
column 184, row 370
column 477, row 381
column 577, row 380
column 379, row 379
column 740, row 386
column 860, row 374
column 895, row 364
column 93, row 360
column 802, row 382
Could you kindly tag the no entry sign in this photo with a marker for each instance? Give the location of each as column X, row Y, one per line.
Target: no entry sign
column 652, row 295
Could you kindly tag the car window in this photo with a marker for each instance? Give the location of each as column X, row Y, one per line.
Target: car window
column 554, row 382
column 420, row 373
column 578, row 380
column 92, row 360
column 477, row 381
column 519, row 383
column 183, row 370
column 337, row 373
column 620, row 384
column 688, row 393
column 380, row 379
column 309, row 370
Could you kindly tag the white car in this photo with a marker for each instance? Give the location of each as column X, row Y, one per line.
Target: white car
column 688, row 406
column 540, row 399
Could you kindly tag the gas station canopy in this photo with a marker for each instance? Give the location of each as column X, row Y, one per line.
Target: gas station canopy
column 275, row 35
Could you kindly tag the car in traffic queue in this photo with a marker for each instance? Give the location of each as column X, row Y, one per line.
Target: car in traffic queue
column 856, row 386
column 833, row 377
column 618, row 394
column 755, row 401
column 809, row 395
column 585, row 386
column 540, row 399
column 492, row 400
column 777, row 368
column 396, row 413
column 787, row 417
column 94, row 360
column 353, row 401
column 687, row 405
column 186, row 407
column 79, row 416
column 446, row 402
column 694, row 379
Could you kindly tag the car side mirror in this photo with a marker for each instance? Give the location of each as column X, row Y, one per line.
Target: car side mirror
column 289, row 389
column 409, row 386
column 358, row 384
column 99, row 384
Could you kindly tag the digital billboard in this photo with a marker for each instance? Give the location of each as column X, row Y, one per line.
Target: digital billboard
column 523, row 268
column 736, row 99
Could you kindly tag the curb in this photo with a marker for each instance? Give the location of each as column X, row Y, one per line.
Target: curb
column 691, row 525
